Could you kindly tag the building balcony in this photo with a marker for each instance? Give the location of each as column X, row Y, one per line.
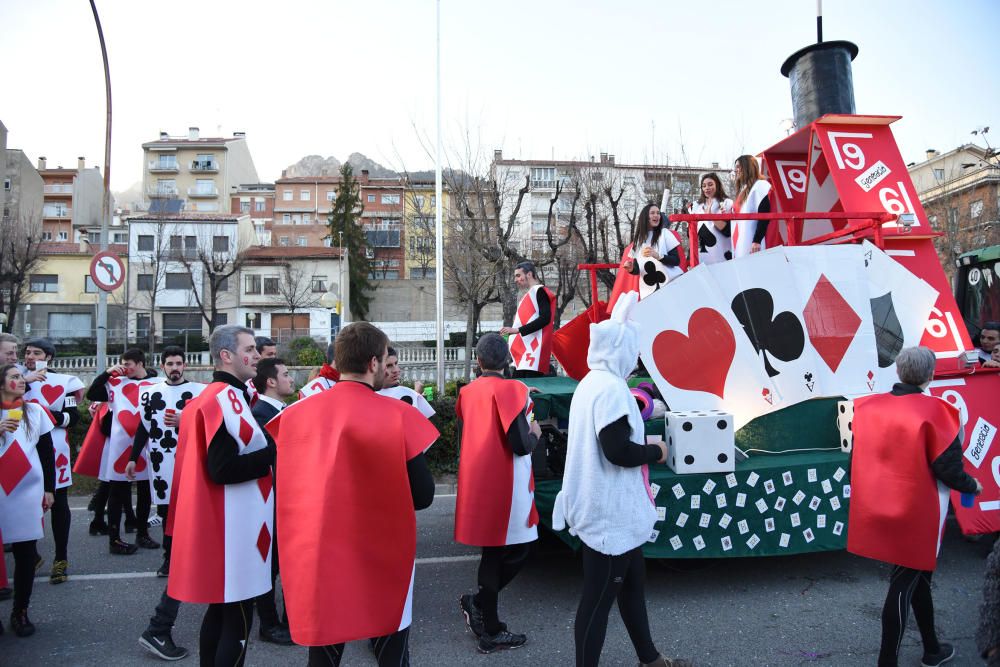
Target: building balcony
column 57, row 214
column 204, row 166
column 64, row 189
column 158, row 192
column 203, row 192
column 158, row 167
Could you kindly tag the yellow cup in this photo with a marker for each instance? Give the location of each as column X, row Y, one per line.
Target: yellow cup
column 15, row 414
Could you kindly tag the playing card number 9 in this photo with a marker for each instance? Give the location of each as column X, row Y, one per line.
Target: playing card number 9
column 956, row 400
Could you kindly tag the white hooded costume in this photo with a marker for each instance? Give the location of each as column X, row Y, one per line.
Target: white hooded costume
column 609, row 507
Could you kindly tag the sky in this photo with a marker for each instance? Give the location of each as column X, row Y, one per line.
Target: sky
column 686, row 83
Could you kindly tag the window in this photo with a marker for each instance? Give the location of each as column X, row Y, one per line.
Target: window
column 186, row 244
column 220, row 244
column 421, row 244
column 287, row 195
column 939, row 174
column 301, row 241
column 383, row 275
column 144, row 282
column 63, row 236
column 434, row 201
column 251, row 284
column 204, row 186
column 382, row 238
column 331, row 195
column 221, row 319
column 307, row 219
column 286, row 218
column 260, row 205
column 270, row 284
column 70, row 325
column 118, row 237
column 390, row 199
column 167, row 162
column 539, row 225
column 303, row 195
column 283, row 240
column 88, row 285
column 419, row 201
column 223, row 284
column 204, row 162
column 166, row 186
column 142, row 326
column 319, row 284
column 253, row 320
column 145, row 242
column 178, row 281
column 371, row 199
column 44, row 282
column 976, row 208
column 6, row 184
column 543, row 177
column 46, row 236
column 244, row 207
column 422, row 272
column 952, row 219
column 181, row 324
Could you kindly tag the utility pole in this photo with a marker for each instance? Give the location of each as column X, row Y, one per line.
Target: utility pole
column 438, row 223
column 102, row 296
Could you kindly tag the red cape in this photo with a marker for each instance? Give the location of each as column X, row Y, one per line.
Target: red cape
column 895, row 513
column 624, row 281
column 487, row 407
column 346, row 569
column 572, row 341
column 88, row 459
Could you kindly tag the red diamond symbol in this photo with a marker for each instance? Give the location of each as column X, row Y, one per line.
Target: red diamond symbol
column 264, row 484
column 14, row 465
column 246, row 431
column 264, row 541
column 870, row 375
column 820, row 170
column 831, row 323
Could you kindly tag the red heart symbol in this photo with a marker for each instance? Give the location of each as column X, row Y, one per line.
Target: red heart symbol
column 51, row 392
column 701, row 360
column 123, row 460
column 131, row 392
column 61, row 460
column 129, row 421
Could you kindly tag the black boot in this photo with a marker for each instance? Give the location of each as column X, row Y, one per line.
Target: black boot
column 20, row 624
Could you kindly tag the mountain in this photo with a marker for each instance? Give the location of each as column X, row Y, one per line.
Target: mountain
column 317, row 165
column 130, row 198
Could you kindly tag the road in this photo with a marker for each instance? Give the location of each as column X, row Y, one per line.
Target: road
column 797, row 610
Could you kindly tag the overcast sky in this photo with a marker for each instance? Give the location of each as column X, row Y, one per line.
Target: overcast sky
column 648, row 80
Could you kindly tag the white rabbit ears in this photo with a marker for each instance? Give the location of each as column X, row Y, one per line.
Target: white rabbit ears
column 623, row 307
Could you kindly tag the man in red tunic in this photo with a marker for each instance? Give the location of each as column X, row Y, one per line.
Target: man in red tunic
column 907, row 449
column 531, row 336
column 357, row 458
column 495, row 507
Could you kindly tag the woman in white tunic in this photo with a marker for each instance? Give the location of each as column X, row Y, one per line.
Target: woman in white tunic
column 751, row 197
column 655, row 255
column 27, row 485
column 715, row 242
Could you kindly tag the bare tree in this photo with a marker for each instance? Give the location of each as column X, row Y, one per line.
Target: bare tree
column 152, row 260
column 19, row 257
column 216, row 257
column 295, row 293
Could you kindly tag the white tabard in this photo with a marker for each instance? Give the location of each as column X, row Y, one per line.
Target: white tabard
column 744, row 230
column 316, row 385
column 56, row 393
column 654, row 274
column 162, row 444
column 123, row 395
column 713, row 245
column 407, row 395
column 21, row 482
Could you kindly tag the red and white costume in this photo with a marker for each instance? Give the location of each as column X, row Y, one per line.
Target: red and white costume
column 496, row 490
column 897, row 505
column 221, row 548
column 744, row 230
column 316, row 385
column 21, row 479
column 58, row 391
column 409, row 396
column 354, row 468
column 161, row 448
column 123, row 401
column 532, row 352
column 88, row 459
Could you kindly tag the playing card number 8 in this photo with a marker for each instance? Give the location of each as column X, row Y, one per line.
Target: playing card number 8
column 234, row 402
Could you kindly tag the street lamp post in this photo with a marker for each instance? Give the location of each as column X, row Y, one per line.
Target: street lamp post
column 102, row 297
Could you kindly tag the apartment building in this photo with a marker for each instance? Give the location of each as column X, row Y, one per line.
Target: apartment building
column 72, row 201
column 257, row 201
column 23, row 188
column 302, row 205
column 419, row 221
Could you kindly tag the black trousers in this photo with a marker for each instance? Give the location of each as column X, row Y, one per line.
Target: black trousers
column 497, row 567
column 267, row 606
column 162, row 621
column 225, row 633
column 163, row 511
column 121, row 497
column 61, row 518
column 390, row 651
column 605, row 579
column 24, row 572
column 907, row 588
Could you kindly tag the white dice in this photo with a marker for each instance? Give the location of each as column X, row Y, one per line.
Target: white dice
column 700, row 441
column 845, row 424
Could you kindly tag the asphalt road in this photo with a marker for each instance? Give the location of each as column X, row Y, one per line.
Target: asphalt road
column 796, row 610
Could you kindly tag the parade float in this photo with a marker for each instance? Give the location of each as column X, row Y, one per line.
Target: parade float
column 758, row 358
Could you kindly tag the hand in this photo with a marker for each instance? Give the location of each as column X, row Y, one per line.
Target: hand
column 9, row 425
column 979, row 488
column 508, row 330
column 663, row 451
column 92, row 408
column 171, row 419
column 48, row 500
column 754, row 247
column 649, row 252
column 35, row 376
column 627, row 264
column 130, row 470
column 535, row 429
column 991, row 364
column 117, row 371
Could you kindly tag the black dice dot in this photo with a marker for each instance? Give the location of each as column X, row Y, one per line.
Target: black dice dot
column 689, row 459
column 687, row 426
column 721, row 424
column 723, row 458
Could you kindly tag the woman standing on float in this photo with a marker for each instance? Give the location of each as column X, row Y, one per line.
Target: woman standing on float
column 715, row 242
column 655, row 254
column 27, row 487
column 751, row 197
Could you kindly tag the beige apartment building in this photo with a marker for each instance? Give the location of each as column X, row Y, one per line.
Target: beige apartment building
column 194, row 173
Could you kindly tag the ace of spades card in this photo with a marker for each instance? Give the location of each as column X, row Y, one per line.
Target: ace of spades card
column 767, row 304
column 900, row 305
column 695, row 351
column 837, row 315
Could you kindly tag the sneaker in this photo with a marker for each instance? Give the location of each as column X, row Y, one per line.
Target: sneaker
column 58, row 574
column 154, row 521
column 147, row 542
column 20, row 624
column 276, row 634
column 500, row 641
column 944, row 653
column 129, row 525
column 121, row 548
column 473, row 616
column 162, row 647
column 98, row 527
column 164, row 570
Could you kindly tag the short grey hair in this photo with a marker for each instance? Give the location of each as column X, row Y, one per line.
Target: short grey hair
column 225, row 338
column 492, row 352
column 10, row 338
column 915, row 365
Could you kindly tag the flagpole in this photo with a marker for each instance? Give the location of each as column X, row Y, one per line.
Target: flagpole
column 438, row 226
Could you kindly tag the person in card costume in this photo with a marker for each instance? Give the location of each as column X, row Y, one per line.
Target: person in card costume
column 88, row 462
column 121, row 387
column 495, row 507
column 752, row 196
column 157, row 439
column 324, row 379
column 59, row 394
column 267, row 349
column 368, row 456
column 222, row 502
column 274, row 386
column 393, row 389
column 655, row 255
column 27, row 485
column 907, row 453
column 605, row 498
column 715, row 243
column 530, row 338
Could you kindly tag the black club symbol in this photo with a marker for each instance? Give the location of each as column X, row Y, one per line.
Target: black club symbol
column 780, row 334
column 155, row 432
column 152, row 402
column 168, row 442
column 185, row 397
column 160, row 485
column 706, row 239
column 156, row 459
column 653, row 276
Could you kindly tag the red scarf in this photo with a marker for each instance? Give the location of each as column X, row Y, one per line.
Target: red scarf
column 329, row 372
column 8, row 405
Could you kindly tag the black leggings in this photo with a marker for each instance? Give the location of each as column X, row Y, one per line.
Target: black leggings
column 390, row 651
column 497, row 568
column 61, row 518
column 606, row 578
column 907, row 587
column 163, row 511
column 24, row 572
column 100, row 503
column 120, row 498
column 225, row 633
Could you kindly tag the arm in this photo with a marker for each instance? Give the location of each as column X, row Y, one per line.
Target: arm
column 98, row 390
column 544, row 316
column 68, row 417
column 421, row 482
column 139, row 444
column 520, row 439
column 226, row 466
column 46, row 454
column 672, row 258
column 765, row 207
column 948, row 469
column 619, row 450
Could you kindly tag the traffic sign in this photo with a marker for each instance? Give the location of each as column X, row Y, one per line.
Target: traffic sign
column 107, row 271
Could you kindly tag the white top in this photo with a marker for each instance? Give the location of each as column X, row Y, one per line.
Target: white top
column 653, row 273
column 744, row 230
column 720, row 247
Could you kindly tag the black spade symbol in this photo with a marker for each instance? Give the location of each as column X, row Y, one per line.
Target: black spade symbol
column 706, row 239
column 888, row 332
